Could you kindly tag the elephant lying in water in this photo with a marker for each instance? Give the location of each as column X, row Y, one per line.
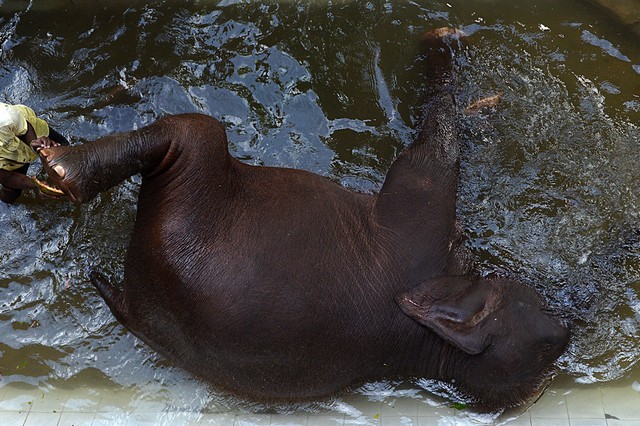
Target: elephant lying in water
column 278, row 284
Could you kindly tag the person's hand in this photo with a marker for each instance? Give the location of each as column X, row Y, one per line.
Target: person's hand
column 42, row 142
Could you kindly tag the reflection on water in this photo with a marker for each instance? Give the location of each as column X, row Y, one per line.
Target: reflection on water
column 549, row 191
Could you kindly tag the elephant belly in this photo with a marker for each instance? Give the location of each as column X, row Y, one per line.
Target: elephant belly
column 275, row 306
column 273, row 345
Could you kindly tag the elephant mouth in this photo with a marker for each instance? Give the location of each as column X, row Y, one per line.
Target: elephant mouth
column 518, row 409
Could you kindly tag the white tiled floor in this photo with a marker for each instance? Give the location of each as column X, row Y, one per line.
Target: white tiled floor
column 564, row 404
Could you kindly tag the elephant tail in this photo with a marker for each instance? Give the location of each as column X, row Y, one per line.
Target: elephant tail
column 113, row 296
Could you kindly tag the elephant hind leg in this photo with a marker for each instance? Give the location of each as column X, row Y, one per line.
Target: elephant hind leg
column 418, row 197
column 111, row 294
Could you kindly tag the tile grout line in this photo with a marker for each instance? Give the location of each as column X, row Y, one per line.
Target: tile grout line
column 566, row 404
column 39, row 404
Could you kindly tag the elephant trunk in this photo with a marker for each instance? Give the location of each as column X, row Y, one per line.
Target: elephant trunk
column 480, row 380
column 425, row 354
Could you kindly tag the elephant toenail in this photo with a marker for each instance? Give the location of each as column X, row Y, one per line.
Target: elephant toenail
column 60, row 171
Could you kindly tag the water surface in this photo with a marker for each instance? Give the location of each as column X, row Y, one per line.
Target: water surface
column 550, row 190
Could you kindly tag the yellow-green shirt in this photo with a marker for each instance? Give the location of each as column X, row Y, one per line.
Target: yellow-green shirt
column 13, row 123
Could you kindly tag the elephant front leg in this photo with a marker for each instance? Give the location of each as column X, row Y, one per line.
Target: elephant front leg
column 418, row 197
column 437, row 138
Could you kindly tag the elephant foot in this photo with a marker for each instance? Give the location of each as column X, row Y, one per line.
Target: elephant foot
column 66, row 170
column 111, row 294
column 441, row 37
column 438, row 47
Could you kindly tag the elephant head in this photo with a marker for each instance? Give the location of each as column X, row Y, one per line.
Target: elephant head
column 506, row 337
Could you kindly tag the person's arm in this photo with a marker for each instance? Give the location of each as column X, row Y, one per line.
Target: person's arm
column 29, row 135
column 8, row 195
column 16, row 180
column 13, row 183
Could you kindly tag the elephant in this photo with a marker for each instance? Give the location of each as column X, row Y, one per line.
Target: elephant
column 277, row 284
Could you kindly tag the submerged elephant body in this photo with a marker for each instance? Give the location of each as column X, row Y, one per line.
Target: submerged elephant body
column 279, row 284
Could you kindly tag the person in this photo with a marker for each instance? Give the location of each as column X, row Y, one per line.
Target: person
column 19, row 127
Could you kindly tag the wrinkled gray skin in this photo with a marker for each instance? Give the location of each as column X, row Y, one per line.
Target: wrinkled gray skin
column 278, row 284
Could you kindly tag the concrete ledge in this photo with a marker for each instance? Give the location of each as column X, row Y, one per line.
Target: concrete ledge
column 625, row 11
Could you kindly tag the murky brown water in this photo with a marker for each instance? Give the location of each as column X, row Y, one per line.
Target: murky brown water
column 550, row 184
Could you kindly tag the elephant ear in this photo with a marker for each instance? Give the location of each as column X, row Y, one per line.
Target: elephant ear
column 456, row 308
